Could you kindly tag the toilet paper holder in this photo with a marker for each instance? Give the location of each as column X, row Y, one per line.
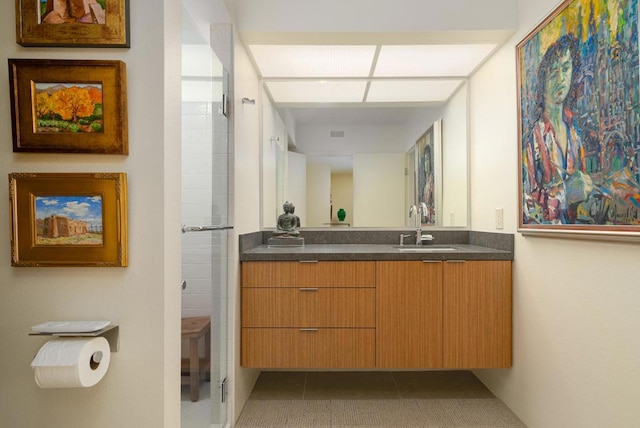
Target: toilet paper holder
column 111, row 333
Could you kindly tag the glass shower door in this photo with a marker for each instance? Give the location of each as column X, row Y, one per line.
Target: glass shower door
column 205, row 159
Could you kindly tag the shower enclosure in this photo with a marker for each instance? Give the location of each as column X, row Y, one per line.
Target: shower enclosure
column 205, row 203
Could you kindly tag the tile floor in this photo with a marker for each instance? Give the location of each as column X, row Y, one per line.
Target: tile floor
column 196, row 414
column 373, row 400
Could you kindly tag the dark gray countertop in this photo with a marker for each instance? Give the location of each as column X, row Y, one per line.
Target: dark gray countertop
column 370, row 252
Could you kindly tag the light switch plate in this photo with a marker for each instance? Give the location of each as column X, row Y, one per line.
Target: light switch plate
column 499, row 218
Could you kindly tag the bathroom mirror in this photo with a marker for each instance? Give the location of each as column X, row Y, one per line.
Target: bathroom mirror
column 362, row 162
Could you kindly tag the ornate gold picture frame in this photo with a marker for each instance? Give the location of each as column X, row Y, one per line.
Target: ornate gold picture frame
column 68, row 219
column 69, row 106
column 74, row 23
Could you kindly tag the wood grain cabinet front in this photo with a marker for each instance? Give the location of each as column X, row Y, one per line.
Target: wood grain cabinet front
column 451, row 314
column 328, row 348
column 383, row 314
column 309, row 274
column 477, row 327
column 409, row 314
column 309, row 307
column 308, row 314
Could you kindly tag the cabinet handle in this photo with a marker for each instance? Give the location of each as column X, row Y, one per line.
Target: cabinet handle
column 431, row 261
column 456, row 261
column 308, row 261
column 309, row 329
column 308, row 289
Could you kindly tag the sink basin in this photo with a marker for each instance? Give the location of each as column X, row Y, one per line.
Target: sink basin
column 424, row 248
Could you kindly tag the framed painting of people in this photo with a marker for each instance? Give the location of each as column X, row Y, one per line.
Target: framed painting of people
column 68, row 106
column 68, row 219
column 72, row 23
column 429, row 174
column 578, row 120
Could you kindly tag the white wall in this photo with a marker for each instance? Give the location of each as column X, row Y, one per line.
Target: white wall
column 357, row 139
column 290, row 125
column 575, row 307
column 318, row 194
column 296, row 186
column 141, row 388
column 455, row 203
column 272, row 126
column 377, row 200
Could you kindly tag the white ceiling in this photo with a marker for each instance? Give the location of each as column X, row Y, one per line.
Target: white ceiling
column 355, row 116
column 362, row 74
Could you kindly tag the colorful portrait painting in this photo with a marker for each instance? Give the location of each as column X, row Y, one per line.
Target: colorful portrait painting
column 579, row 119
column 426, row 176
column 68, row 220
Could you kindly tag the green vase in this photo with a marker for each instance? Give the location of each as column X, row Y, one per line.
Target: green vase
column 341, row 214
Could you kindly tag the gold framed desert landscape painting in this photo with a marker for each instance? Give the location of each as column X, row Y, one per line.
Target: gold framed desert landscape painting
column 68, row 219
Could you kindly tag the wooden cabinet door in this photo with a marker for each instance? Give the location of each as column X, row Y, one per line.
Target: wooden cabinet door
column 308, row 307
column 308, row 314
column 477, row 314
column 408, row 314
column 292, row 348
column 309, row 274
column 279, row 274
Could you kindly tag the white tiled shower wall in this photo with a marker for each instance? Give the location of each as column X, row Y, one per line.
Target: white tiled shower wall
column 204, row 182
column 197, row 197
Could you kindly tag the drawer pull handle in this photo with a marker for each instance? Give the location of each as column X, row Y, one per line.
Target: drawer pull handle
column 308, row 289
column 456, row 261
column 308, row 261
column 431, row 261
column 309, row 329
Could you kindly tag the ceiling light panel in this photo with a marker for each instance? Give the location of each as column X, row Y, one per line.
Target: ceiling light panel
column 398, row 91
column 430, row 60
column 315, row 91
column 313, row 61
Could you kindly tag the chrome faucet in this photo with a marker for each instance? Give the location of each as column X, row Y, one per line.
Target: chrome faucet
column 420, row 211
column 416, row 212
column 412, row 210
column 402, row 238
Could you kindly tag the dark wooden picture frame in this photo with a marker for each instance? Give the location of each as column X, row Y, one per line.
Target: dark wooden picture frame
column 87, row 24
column 68, row 219
column 69, row 106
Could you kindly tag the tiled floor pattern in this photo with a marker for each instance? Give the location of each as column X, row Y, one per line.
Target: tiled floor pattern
column 373, row 400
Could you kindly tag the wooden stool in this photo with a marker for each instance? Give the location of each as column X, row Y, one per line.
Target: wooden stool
column 194, row 367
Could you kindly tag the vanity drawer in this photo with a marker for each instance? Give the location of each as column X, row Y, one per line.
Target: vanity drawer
column 310, row 348
column 309, row 274
column 308, row 307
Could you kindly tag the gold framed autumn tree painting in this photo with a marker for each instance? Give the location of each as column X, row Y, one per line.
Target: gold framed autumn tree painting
column 66, row 106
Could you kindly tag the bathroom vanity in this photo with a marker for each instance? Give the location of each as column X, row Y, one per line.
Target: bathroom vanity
column 373, row 305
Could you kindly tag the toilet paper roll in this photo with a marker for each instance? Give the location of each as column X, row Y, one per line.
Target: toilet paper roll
column 71, row 362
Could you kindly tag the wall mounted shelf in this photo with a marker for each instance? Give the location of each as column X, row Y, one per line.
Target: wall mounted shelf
column 111, row 333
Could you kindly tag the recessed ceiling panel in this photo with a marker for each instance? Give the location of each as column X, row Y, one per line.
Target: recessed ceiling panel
column 313, row 61
column 316, row 91
column 430, row 60
column 414, row 91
